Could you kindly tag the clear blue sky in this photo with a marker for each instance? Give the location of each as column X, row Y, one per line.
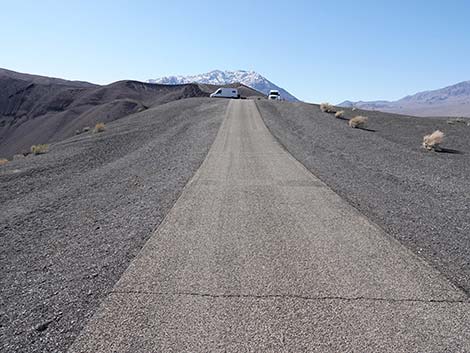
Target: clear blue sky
column 318, row 50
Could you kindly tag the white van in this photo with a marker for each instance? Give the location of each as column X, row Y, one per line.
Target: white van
column 226, row 93
column 274, row 95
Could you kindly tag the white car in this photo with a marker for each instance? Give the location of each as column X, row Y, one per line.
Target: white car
column 274, row 95
column 225, row 93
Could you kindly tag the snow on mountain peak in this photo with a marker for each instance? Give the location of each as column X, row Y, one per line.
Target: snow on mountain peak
column 217, row 77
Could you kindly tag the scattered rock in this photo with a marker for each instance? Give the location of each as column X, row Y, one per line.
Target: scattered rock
column 43, row 325
column 457, row 121
column 18, row 156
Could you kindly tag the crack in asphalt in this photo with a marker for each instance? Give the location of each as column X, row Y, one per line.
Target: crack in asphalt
column 294, row 296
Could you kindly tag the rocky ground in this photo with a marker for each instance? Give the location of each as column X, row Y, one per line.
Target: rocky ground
column 72, row 219
column 421, row 198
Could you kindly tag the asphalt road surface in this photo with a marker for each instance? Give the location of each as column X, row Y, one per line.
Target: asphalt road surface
column 259, row 255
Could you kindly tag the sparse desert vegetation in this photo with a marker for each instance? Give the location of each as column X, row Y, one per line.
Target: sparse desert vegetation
column 358, row 121
column 433, row 141
column 100, row 127
column 327, row 108
column 340, row 114
column 39, row 149
column 3, row 161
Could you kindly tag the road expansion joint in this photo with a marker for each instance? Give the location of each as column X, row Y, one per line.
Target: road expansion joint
column 293, row 296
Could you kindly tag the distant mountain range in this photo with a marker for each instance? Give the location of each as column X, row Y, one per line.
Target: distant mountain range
column 448, row 101
column 249, row 78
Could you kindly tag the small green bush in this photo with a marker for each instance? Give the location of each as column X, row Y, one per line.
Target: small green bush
column 39, row 149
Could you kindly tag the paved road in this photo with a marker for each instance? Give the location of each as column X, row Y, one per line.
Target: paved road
column 259, row 255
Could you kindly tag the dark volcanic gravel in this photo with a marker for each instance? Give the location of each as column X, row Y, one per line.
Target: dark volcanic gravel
column 72, row 219
column 421, row 198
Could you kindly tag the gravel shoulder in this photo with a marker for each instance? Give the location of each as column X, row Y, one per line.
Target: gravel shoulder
column 72, row 219
column 421, row 198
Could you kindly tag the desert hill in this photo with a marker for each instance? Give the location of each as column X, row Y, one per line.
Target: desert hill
column 37, row 109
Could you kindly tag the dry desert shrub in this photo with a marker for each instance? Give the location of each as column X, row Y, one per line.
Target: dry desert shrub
column 340, row 114
column 327, row 108
column 100, row 127
column 432, row 141
column 358, row 121
column 3, row 161
column 39, row 149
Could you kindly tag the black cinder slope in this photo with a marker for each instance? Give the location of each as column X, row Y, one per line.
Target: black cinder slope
column 73, row 219
column 417, row 196
column 36, row 109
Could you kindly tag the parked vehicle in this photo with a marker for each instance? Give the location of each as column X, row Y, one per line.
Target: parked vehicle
column 274, row 95
column 226, row 93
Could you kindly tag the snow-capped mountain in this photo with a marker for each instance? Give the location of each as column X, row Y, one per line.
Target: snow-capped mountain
column 217, row 77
